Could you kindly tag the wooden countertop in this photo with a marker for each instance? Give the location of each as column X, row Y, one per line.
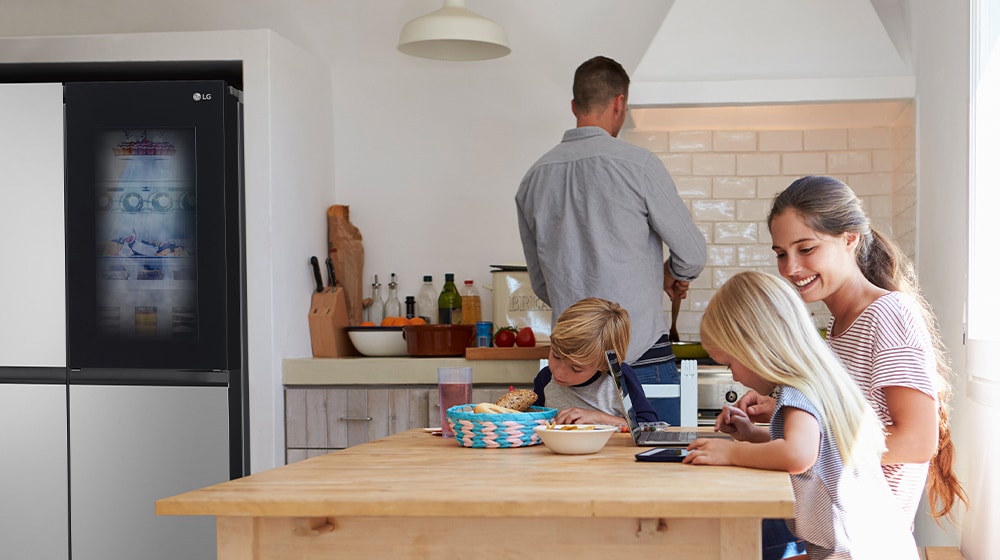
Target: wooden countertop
column 415, row 474
column 402, row 371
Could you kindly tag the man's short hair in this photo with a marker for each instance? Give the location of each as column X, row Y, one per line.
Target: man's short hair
column 598, row 81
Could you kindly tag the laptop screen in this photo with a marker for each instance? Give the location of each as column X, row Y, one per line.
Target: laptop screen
column 615, row 370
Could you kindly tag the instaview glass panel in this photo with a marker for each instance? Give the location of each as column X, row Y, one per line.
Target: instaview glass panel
column 146, row 213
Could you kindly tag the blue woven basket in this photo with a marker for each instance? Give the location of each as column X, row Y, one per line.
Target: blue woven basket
column 497, row 430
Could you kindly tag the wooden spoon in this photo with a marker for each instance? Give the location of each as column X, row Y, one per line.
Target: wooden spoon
column 675, row 308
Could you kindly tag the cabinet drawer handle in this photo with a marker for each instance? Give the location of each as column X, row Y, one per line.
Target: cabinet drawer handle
column 362, row 418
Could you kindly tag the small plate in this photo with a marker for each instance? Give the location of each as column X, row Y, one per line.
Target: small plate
column 161, row 202
column 132, row 203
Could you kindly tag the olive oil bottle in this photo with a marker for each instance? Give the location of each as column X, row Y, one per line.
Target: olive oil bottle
column 449, row 302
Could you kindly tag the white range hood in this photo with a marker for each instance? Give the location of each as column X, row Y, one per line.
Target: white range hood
column 726, row 52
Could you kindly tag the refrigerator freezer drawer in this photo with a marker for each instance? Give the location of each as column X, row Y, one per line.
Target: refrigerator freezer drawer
column 132, row 445
column 34, row 499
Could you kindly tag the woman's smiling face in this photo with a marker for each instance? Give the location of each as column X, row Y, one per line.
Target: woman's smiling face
column 815, row 263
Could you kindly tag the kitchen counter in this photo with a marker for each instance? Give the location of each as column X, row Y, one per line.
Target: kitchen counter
column 413, row 495
column 402, row 371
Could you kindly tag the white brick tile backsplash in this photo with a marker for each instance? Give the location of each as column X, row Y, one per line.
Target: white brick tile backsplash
column 752, row 210
column 755, row 255
column 870, row 184
column 758, row 164
column 728, row 178
column 713, row 210
column 698, row 300
column 691, row 141
column 714, row 164
column 704, row 281
column 735, row 232
column 803, row 163
column 827, row 139
column 677, row 164
column 721, row 255
column 706, row 230
column 882, row 161
column 879, row 206
column 736, row 141
column 652, row 140
column 734, row 187
column 693, row 187
column 763, row 233
column 780, row 140
column 768, row 187
column 849, row 162
column 869, row 138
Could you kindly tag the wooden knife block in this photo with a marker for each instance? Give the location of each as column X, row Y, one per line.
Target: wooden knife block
column 327, row 324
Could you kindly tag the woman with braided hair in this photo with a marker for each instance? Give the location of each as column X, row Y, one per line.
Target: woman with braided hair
column 881, row 327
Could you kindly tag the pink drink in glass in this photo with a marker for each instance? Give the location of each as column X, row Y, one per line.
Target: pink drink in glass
column 454, row 388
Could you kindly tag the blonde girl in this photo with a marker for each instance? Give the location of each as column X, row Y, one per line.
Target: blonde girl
column 823, row 432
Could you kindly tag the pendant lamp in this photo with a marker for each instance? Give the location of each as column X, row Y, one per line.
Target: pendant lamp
column 453, row 33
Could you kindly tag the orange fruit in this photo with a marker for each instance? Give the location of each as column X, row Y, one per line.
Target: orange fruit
column 400, row 321
column 387, row 321
column 418, row 321
column 367, row 324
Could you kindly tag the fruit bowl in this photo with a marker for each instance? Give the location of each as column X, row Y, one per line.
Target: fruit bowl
column 378, row 341
column 575, row 439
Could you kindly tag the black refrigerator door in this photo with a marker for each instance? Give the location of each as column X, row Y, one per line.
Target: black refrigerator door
column 153, row 233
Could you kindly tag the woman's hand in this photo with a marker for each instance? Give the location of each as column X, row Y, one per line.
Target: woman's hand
column 736, row 423
column 757, row 406
column 576, row 415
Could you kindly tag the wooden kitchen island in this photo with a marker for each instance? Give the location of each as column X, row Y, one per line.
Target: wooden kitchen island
column 414, row 495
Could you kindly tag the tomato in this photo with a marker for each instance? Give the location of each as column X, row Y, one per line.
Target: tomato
column 505, row 337
column 525, row 337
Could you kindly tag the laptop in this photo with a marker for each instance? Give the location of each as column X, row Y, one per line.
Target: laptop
column 649, row 434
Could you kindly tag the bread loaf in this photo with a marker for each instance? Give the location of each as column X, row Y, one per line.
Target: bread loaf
column 490, row 408
column 519, row 400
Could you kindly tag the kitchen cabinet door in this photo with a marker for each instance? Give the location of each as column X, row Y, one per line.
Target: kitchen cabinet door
column 323, row 419
column 33, row 284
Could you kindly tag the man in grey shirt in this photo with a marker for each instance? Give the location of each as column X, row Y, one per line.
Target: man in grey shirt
column 594, row 213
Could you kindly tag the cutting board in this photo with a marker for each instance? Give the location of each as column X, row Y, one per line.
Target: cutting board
column 539, row 352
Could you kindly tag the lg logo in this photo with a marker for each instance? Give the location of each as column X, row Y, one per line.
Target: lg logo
column 202, row 96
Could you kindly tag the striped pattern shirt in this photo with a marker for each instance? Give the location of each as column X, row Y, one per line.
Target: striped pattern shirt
column 889, row 346
column 842, row 513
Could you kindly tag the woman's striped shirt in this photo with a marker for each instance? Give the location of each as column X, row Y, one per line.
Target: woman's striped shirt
column 888, row 345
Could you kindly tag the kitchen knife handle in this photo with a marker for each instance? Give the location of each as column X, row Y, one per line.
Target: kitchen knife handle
column 319, row 279
column 329, row 272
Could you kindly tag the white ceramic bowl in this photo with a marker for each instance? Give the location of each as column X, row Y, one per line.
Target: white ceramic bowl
column 378, row 341
column 575, row 439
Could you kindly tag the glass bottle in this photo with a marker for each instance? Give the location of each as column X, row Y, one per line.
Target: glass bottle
column 411, row 307
column 472, row 311
column 449, row 302
column 427, row 301
column 378, row 306
column 392, row 306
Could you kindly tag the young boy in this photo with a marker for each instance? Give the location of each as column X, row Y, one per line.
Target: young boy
column 575, row 381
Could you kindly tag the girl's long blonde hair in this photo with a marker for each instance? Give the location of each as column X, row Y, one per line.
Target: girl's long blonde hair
column 759, row 321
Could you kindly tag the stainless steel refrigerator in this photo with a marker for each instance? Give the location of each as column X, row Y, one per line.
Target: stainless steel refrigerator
column 155, row 311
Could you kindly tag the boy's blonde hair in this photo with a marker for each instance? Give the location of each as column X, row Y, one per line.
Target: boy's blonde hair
column 587, row 329
column 761, row 322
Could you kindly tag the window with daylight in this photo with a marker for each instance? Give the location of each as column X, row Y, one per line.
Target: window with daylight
column 983, row 335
